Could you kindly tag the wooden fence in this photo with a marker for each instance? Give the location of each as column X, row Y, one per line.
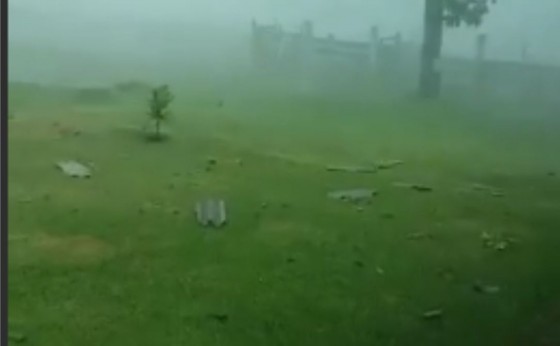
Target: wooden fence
column 274, row 47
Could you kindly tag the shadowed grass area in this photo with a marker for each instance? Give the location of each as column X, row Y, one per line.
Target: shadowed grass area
column 119, row 259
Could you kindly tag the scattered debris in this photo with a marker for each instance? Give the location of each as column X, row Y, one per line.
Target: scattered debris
column 501, row 245
column 360, row 209
column 211, row 212
column 380, row 270
column 74, row 169
column 351, row 169
column 416, row 187
column 222, row 318
column 433, row 314
column 420, row 236
column 486, row 289
column 492, row 191
column 421, row 188
column 388, row 164
column 485, row 236
column 497, row 242
column 353, row 196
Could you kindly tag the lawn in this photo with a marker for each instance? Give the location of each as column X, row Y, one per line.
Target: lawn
column 119, row 259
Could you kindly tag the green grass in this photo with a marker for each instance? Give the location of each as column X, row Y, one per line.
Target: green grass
column 107, row 261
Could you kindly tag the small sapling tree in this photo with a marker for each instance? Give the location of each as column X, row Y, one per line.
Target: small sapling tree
column 160, row 100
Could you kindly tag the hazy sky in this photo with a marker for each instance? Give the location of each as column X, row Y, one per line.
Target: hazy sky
column 125, row 23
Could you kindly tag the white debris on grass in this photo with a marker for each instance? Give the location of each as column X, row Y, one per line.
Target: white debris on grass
column 74, row 169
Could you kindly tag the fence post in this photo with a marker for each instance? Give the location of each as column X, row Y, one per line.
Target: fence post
column 480, row 75
column 374, row 45
column 255, row 44
column 306, row 48
column 307, row 28
column 481, row 41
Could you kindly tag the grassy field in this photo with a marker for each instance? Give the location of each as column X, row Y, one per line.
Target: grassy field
column 119, row 259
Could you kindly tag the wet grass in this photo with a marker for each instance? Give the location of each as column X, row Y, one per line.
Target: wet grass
column 119, row 259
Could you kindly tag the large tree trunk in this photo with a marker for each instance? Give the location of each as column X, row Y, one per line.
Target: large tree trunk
column 430, row 78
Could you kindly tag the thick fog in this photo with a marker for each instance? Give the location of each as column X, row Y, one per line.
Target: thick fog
column 165, row 32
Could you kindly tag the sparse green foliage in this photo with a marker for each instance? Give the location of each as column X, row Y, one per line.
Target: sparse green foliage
column 159, row 108
column 469, row 12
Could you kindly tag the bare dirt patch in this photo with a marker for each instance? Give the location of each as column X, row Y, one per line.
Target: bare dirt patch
column 77, row 249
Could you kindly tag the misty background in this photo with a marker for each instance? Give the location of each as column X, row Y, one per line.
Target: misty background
column 71, row 41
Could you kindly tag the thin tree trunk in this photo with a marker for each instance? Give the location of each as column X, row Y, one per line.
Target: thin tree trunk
column 430, row 78
column 158, row 128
